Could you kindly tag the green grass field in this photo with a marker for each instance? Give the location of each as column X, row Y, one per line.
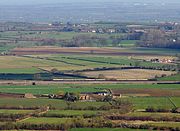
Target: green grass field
column 154, row 115
column 176, row 101
column 78, row 88
column 67, row 63
column 166, row 124
column 71, row 112
column 156, row 102
column 20, row 70
column 128, row 43
column 7, row 111
column 11, row 102
column 45, row 120
column 104, row 129
column 32, row 64
column 54, row 103
column 68, row 35
column 171, row 78
column 138, row 102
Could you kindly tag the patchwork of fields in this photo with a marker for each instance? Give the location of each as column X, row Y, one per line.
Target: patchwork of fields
column 151, row 104
column 115, row 67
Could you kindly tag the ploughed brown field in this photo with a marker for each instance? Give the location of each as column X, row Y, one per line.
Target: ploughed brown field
column 147, row 92
column 11, row 95
column 75, row 50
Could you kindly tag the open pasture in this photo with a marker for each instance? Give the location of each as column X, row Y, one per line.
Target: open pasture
column 42, row 102
column 47, row 89
column 10, row 111
column 34, row 65
column 166, row 124
column 66, row 35
column 105, row 129
column 111, row 60
column 30, row 65
column 67, row 113
column 45, row 120
column 63, row 63
column 176, row 101
column 154, row 115
column 156, row 102
column 18, row 65
column 172, row 89
column 138, row 102
column 100, row 61
column 27, row 103
column 128, row 43
column 175, row 77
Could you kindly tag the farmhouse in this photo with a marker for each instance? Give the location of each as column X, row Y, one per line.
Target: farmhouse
column 154, row 60
column 165, row 61
column 177, row 110
column 88, row 96
column 115, row 94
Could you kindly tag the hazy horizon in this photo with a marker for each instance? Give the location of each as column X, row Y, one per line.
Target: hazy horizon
column 30, row 2
column 90, row 11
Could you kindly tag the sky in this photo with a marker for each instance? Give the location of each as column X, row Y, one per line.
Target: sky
column 30, row 2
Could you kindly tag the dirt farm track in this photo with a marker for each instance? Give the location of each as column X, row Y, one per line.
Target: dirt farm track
column 29, row 82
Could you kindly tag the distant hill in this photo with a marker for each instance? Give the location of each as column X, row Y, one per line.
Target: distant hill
column 80, row 11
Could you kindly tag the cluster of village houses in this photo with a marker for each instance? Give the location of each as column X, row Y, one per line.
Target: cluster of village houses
column 90, row 96
column 84, row 96
column 162, row 60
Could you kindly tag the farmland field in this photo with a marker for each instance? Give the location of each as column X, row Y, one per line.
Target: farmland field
column 154, row 115
column 71, row 113
column 44, row 120
column 171, row 89
column 127, row 74
column 58, row 104
column 139, row 103
column 87, row 50
column 55, row 88
column 3, row 111
column 166, row 124
column 104, row 129
column 66, row 35
column 40, row 100
column 61, row 72
column 156, row 102
column 29, row 66
column 175, row 77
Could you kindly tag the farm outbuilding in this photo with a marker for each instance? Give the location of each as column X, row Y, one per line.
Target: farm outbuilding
column 88, row 96
column 29, row 96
